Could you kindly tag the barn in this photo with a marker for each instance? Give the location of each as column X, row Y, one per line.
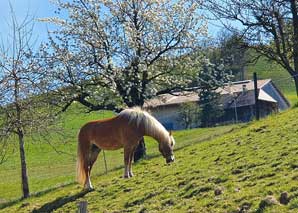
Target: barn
column 236, row 98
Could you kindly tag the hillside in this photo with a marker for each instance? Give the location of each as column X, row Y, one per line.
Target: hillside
column 243, row 167
column 268, row 69
column 51, row 161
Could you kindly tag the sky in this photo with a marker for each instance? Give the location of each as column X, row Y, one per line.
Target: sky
column 38, row 9
column 35, row 8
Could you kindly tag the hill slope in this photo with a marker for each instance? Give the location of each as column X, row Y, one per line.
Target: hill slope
column 282, row 79
column 50, row 168
column 244, row 167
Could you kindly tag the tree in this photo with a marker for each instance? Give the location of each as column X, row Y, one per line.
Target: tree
column 189, row 114
column 211, row 77
column 23, row 109
column 270, row 27
column 131, row 49
column 114, row 54
column 232, row 49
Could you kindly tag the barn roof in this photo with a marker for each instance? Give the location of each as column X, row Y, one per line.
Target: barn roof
column 242, row 91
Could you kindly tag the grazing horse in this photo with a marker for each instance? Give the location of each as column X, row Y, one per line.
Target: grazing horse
column 123, row 131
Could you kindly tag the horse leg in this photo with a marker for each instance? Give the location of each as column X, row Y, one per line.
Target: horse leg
column 127, row 153
column 94, row 151
column 130, row 161
column 87, row 184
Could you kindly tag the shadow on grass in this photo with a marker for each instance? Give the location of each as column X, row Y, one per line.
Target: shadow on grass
column 37, row 194
column 59, row 202
column 295, row 105
column 10, row 203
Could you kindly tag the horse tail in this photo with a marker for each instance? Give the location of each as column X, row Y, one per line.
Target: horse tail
column 82, row 157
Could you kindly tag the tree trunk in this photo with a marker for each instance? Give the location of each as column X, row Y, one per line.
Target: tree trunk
column 137, row 100
column 25, row 185
column 296, row 83
column 295, row 41
column 140, row 150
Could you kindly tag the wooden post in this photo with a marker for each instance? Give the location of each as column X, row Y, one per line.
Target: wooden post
column 105, row 161
column 103, row 151
column 82, row 207
column 257, row 109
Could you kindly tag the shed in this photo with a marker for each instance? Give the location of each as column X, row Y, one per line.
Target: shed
column 237, row 99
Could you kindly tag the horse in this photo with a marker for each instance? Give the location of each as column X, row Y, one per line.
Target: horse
column 122, row 131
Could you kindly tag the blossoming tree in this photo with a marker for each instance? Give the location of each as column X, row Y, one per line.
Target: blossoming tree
column 131, row 50
column 109, row 54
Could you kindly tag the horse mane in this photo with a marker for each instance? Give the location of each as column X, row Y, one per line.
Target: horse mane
column 152, row 126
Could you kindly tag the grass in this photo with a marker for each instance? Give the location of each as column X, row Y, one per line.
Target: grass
column 282, row 79
column 48, row 169
column 244, row 167
column 242, row 164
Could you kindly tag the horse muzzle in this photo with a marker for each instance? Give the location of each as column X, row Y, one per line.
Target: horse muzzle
column 170, row 159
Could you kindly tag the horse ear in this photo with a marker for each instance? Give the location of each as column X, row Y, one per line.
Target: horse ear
column 170, row 132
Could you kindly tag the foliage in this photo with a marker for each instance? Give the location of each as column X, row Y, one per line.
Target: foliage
column 190, row 113
column 210, row 78
column 129, row 48
column 268, row 27
column 231, row 48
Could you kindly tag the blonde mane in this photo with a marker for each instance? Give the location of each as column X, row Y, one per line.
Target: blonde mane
column 152, row 126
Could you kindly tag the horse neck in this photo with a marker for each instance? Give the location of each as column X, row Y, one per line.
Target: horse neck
column 145, row 126
column 158, row 135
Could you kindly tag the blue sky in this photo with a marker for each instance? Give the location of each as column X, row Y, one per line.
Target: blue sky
column 36, row 8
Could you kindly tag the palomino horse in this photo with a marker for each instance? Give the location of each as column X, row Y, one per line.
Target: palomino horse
column 124, row 130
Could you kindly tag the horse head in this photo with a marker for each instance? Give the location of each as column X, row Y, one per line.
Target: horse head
column 166, row 149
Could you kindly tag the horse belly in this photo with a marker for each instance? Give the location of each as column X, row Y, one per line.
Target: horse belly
column 111, row 146
column 108, row 144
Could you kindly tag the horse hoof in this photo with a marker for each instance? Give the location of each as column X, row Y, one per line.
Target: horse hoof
column 88, row 188
column 126, row 176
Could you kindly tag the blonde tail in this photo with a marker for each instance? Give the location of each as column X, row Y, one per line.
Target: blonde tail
column 82, row 159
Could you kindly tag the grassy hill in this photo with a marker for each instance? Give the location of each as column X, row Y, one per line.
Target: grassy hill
column 51, row 165
column 268, row 69
column 231, row 173
column 247, row 164
column 50, row 161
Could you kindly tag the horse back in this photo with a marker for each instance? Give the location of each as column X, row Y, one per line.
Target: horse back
column 110, row 133
column 91, row 128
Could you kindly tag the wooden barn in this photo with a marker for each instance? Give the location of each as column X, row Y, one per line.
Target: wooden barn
column 237, row 100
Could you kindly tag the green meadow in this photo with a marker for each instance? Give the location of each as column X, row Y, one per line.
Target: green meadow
column 235, row 172
column 266, row 69
column 52, row 161
column 235, row 168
